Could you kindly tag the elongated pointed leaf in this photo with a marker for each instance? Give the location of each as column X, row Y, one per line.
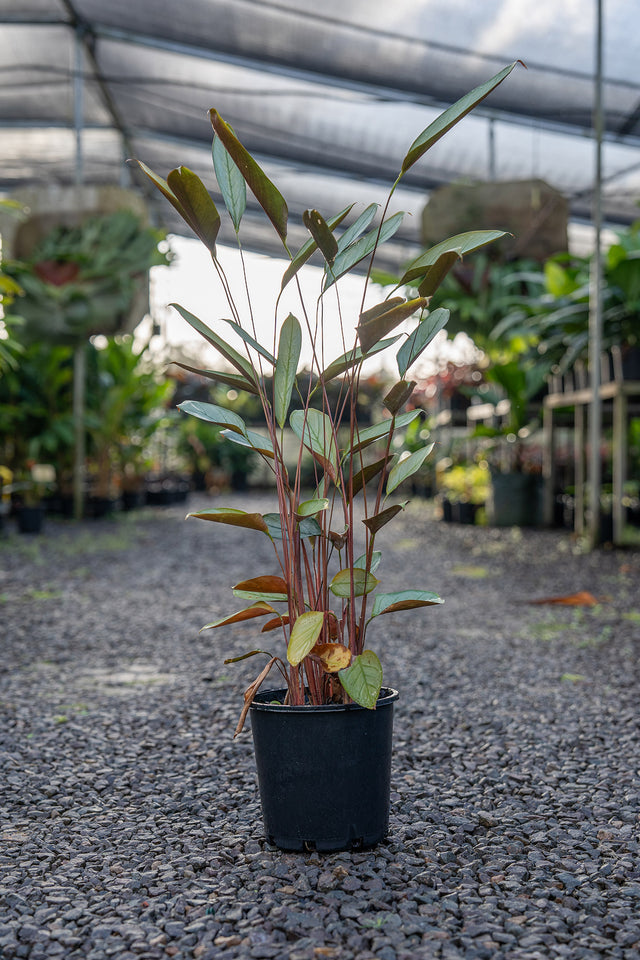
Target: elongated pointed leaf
column 232, row 517
column 363, row 679
column 284, row 378
column 201, row 212
column 315, row 430
column 254, row 440
column 309, row 508
column 379, row 520
column 459, row 245
column 231, row 182
column 435, row 274
column 407, row 467
column 304, row 635
column 245, row 656
column 352, row 255
column 333, row 656
column 358, row 226
column 420, row 338
column 307, row 527
column 376, row 557
column 353, row 357
column 212, row 413
column 242, row 333
column 367, row 473
column 269, row 589
column 204, row 220
column 398, row 395
column 275, row 624
column 233, row 380
column 379, row 309
column 307, row 249
column 248, row 613
column 363, row 582
column 450, row 117
column 250, row 693
column 403, row 600
column 378, row 430
column 372, row 330
column 235, row 359
column 321, row 233
column 265, row 192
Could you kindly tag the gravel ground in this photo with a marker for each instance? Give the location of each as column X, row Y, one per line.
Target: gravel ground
column 130, row 820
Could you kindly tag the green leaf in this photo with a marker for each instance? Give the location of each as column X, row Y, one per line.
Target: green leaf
column 363, row 679
column 233, row 380
column 436, row 273
column 185, row 211
column 420, row 338
column 321, row 233
column 304, row 635
column 252, row 439
column 372, row 328
column 235, row 359
column 357, row 579
column 307, row 527
column 357, row 227
column 307, row 249
column 376, row 557
column 450, row 117
column 367, row 473
column 460, row 245
column 198, row 208
column 378, row 430
column 407, row 467
column 315, row 430
column 236, row 518
column 242, row 333
column 310, row 507
column 212, row 413
column 353, row 357
column 230, row 181
column 403, row 600
column 284, row 378
column 352, row 255
column 398, row 395
column 245, row 656
column 379, row 520
column 267, row 195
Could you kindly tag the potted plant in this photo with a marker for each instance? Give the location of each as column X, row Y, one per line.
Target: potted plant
column 323, row 738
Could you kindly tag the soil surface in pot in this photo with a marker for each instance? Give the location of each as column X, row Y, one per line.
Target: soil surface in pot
column 130, row 820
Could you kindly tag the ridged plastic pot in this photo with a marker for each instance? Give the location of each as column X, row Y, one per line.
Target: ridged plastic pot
column 324, row 773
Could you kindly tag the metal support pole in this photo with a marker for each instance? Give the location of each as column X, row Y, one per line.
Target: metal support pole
column 79, row 357
column 595, row 305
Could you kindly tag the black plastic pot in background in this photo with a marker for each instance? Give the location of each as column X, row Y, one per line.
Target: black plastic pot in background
column 324, row 773
column 515, row 500
column 30, row 519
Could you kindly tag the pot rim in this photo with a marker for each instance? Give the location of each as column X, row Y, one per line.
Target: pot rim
column 263, row 701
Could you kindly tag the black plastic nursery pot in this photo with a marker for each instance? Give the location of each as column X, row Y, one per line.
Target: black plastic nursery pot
column 324, row 773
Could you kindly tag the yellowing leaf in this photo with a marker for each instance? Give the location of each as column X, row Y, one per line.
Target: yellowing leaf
column 334, row 656
column 304, row 635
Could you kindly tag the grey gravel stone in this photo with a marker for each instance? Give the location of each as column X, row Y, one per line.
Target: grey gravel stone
column 130, row 821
